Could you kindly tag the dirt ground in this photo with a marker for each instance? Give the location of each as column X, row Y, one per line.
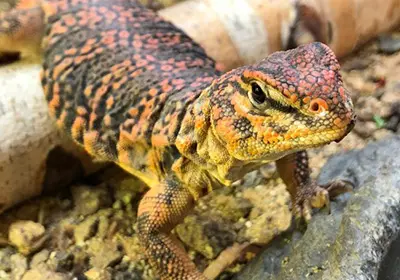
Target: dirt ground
column 88, row 231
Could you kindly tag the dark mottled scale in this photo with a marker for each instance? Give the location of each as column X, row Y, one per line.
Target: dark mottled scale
column 130, row 71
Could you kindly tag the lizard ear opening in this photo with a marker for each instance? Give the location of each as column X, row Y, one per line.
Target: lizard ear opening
column 258, row 96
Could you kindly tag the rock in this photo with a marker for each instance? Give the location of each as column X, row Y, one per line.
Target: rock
column 207, row 235
column 104, row 253
column 270, row 216
column 365, row 129
column 389, row 43
column 229, row 207
column 42, row 272
column 359, row 84
column 27, row 236
column 391, row 97
column 5, row 263
column 356, row 63
column 86, row 229
column 19, row 265
column 382, row 134
column 89, row 199
column 4, row 275
column 98, row 274
column 351, row 242
column 66, row 262
column 390, row 266
column 369, row 107
column 40, row 257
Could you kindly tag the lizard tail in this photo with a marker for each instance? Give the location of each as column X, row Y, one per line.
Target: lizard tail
column 21, row 29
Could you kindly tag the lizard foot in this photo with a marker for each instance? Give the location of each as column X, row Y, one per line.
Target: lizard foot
column 317, row 196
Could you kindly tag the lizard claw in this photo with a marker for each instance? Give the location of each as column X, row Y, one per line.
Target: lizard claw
column 317, row 196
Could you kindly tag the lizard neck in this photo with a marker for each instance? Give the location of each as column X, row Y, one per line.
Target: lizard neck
column 200, row 147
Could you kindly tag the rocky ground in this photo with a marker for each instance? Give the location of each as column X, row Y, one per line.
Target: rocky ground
column 89, row 230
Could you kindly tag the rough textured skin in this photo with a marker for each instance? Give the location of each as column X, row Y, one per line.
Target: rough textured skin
column 133, row 89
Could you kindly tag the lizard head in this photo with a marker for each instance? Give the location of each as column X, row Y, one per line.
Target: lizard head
column 289, row 101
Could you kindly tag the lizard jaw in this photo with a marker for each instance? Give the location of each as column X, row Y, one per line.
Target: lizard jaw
column 350, row 126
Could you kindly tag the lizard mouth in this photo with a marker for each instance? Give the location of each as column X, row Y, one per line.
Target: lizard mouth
column 317, row 139
column 349, row 127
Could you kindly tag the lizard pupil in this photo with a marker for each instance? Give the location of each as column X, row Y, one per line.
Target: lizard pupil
column 257, row 93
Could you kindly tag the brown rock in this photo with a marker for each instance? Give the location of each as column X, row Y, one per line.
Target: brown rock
column 85, row 230
column 382, row 133
column 19, row 265
column 271, row 214
column 42, row 272
column 208, row 235
column 89, row 199
column 104, row 253
column 98, row 274
column 27, row 236
column 40, row 257
column 369, row 107
column 365, row 129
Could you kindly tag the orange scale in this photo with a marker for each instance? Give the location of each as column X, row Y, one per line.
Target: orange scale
column 342, row 92
column 136, row 73
column 339, row 122
column 124, row 34
column 81, row 111
column 91, row 56
column 90, row 139
column 123, row 43
column 166, row 68
column 101, row 91
column 153, row 92
column 79, row 59
column 59, row 69
column 98, row 50
column 83, row 22
column 137, row 44
column 78, row 127
column 88, row 91
column 106, row 79
column 107, row 40
column 141, row 63
column 286, row 93
column 57, row 58
column 107, row 120
column 59, row 29
column 109, row 102
column 71, row 51
column 306, row 100
column 54, row 104
column 70, row 21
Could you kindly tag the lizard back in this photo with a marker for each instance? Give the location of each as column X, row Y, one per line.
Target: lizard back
column 118, row 79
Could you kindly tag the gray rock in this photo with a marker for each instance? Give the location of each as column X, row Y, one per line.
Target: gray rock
column 360, row 238
column 388, row 43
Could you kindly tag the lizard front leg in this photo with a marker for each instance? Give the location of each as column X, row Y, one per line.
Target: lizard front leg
column 306, row 193
column 160, row 210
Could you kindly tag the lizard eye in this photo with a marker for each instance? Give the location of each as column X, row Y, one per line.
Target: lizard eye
column 257, row 96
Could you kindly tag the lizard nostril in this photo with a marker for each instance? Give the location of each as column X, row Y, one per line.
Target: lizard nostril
column 318, row 105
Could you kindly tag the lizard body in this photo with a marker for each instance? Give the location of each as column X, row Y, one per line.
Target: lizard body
column 133, row 89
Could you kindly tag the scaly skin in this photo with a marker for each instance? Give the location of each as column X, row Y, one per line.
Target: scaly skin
column 133, row 89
